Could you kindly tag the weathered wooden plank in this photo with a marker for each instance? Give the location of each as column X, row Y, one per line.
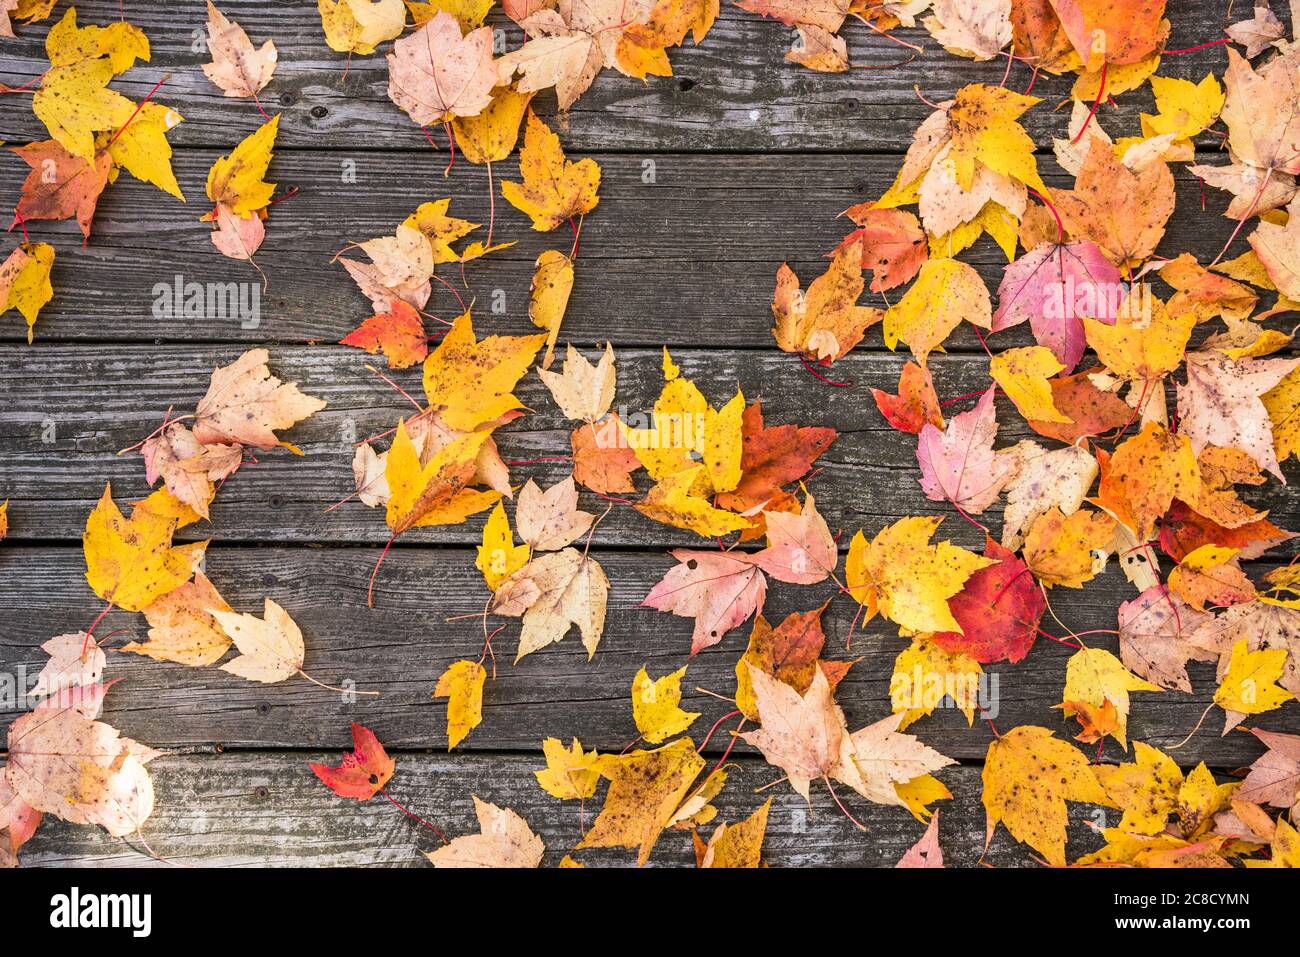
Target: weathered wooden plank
column 402, row 645
column 242, row 809
column 733, row 92
column 689, row 259
column 67, row 410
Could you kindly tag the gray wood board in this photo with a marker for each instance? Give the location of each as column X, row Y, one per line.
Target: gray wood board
column 257, row 810
column 401, row 646
column 690, row 259
column 734, row 92
column 66, row 411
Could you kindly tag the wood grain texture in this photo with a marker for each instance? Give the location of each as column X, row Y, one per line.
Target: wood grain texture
column 732, row 93
column 753, row 159
column 689, row 259
column 66, row 411
column 401, row 646
column 255, row 810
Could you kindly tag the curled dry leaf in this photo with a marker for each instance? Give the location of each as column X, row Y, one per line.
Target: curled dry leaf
column 915, row 404
column 549, row 296
column 182, row 628
column 825, row 322
column 975, row 28
column 25, row 282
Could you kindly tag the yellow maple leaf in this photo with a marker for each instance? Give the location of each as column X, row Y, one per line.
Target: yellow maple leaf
column 419, row 494
column 1185, row 109
column 142, row 148
column 1145, row 474
column 1094, row 676
column 25, row 282
column 121, row 42
column 469, row 381
column 678, row 430
column 735, row 845
column 462, row 685
column 131, row 561
column 656, row 706
column 358, row 26
column 1283, row 405
column 945, row 292
column 1139, row 350
column 1028, row 776
column 919, row 793
column 723, row 444
column 549, row 296
column 994, row 219
column 1058, row 548
column 984, row 128
column 1146, row 789
column 554, row 190
column 1249, row 686
column 236, row 180
column 166, row 505
column 470, row 14
column 1023, row 373
column 925, row 675
column 645, row 789
column 1200, row 797
column 570, row 773
column 441, row 230
column 499, row 557
column 1285, row 848
column 491, row 136
column 672, row 502
column 908, row 579
column 74, row 103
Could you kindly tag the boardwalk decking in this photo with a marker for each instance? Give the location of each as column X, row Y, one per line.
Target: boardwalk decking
column 752, row 161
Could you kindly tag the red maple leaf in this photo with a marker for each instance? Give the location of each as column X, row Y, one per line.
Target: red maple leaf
column 998, row 610
column 363, row 772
